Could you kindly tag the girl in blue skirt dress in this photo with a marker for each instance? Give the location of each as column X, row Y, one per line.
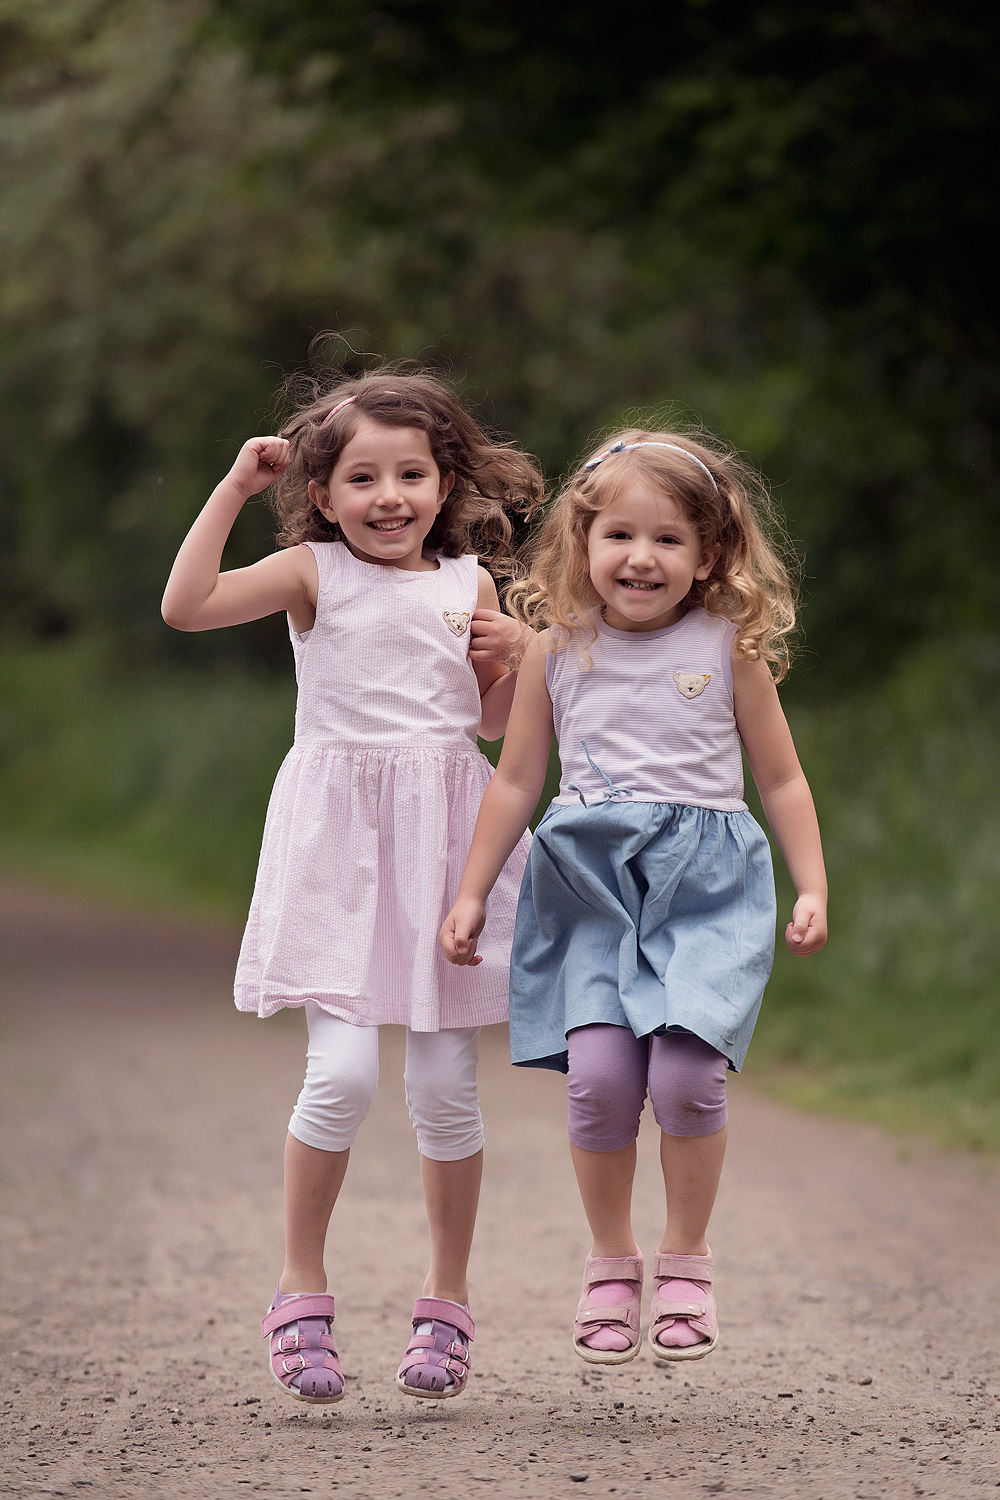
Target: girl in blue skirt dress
column 645, row 926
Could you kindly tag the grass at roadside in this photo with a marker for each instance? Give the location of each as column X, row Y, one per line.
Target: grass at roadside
column 898, row 1021
column 154, row 793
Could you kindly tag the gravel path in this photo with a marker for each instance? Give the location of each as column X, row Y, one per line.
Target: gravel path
column 142, row 1124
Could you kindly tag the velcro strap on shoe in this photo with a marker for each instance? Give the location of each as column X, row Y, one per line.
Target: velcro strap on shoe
column 670, row 1267
column 663, row 1309
column 426, row 1309
column 309, row 1305
column 621, row 1268
column 608, row 1312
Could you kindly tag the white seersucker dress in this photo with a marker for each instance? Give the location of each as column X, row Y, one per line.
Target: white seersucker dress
column 373, row 809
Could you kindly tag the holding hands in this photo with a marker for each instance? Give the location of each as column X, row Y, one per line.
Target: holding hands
column 461, row 930
column 496, row 637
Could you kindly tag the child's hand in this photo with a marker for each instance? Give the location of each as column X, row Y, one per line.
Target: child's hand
column 806, row 932
column 461, row 929
column 260, row 462
column 496, row 637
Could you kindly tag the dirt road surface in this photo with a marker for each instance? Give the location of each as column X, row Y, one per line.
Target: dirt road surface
column 142, row 1122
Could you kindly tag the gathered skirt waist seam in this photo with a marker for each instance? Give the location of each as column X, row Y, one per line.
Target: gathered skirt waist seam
column 414, row 747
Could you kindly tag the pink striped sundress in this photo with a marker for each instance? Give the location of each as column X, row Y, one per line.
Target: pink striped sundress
column 373, row 809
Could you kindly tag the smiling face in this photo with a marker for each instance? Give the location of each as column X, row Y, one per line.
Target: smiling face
column 644, row 556
column 384, row 493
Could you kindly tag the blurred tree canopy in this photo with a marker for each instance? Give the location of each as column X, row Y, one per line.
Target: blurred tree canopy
column 776, row 216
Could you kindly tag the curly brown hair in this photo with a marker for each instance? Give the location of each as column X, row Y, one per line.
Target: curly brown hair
column 491, row 476
column 751, row 584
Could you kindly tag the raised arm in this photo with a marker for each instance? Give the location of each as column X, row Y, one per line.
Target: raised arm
column 199, row 597
column 510, row 799
column 786, row 799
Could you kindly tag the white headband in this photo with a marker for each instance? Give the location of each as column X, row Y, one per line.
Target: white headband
column 625, row 448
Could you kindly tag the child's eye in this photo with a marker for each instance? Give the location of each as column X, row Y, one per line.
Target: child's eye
column 414, row 474
column 673, row 540
column 360, row 479
column 618, row 536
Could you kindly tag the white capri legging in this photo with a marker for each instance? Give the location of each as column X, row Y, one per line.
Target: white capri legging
column 342, row 1075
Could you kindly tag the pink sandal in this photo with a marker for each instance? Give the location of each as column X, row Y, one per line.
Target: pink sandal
column 621, row 1317
column 436, row 1363
column 695, row 1314
column 300, row 1326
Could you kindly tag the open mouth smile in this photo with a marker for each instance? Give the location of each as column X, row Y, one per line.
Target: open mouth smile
column 390, row 528
column 637, row 586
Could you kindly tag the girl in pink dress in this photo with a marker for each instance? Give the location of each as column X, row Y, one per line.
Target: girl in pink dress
column 385, row 489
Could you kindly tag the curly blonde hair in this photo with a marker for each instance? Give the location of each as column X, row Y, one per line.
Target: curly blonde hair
column 749, row 585
column 491, row 476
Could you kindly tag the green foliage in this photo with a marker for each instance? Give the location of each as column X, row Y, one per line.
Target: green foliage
column 897, row 1019
column 151, row 791
column 774, row 218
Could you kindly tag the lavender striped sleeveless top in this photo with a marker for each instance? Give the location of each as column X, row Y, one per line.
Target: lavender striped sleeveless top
column 653, row 716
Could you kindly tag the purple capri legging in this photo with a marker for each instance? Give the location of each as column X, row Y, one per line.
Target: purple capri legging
column 610, row 1070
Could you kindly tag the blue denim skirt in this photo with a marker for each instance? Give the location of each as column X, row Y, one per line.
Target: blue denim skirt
column 653, row 915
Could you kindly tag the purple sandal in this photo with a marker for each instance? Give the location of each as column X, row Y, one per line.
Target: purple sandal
column 303, row 1357
column 436, row 1363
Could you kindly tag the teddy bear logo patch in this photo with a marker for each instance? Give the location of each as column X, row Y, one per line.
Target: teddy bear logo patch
column 457, row 620
column 692, row 684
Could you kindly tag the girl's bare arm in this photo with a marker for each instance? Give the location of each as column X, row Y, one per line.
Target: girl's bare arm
column 786, row 799
column 495, row 651
column 199, row 597
column 510, row 799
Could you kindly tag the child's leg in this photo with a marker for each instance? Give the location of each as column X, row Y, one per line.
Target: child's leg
column 444, row 1106
column 687, row 1087
column 443, row 1099
column 341, row 1077
column 606, row 1092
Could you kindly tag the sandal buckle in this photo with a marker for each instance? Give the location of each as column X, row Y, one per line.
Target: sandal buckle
column 291, row 1368
column 287, row 1341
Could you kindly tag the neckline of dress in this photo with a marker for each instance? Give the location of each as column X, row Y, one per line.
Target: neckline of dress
column 639, row 635
column 385, row 568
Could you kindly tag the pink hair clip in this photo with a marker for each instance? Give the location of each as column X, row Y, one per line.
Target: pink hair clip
column 334, row 409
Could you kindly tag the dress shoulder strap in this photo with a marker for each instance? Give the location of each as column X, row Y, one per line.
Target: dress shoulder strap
column 330, row 561
column 459, row 576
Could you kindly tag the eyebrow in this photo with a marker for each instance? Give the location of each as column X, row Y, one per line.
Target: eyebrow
column 678, row 525
column 406, row 463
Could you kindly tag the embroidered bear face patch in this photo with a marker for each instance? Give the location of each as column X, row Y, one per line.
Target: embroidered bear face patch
column 457, row 620
column 692, row 684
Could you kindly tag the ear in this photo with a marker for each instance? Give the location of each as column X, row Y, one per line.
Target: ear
column 445, row 489
column 320, row 497
column 709, row 558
